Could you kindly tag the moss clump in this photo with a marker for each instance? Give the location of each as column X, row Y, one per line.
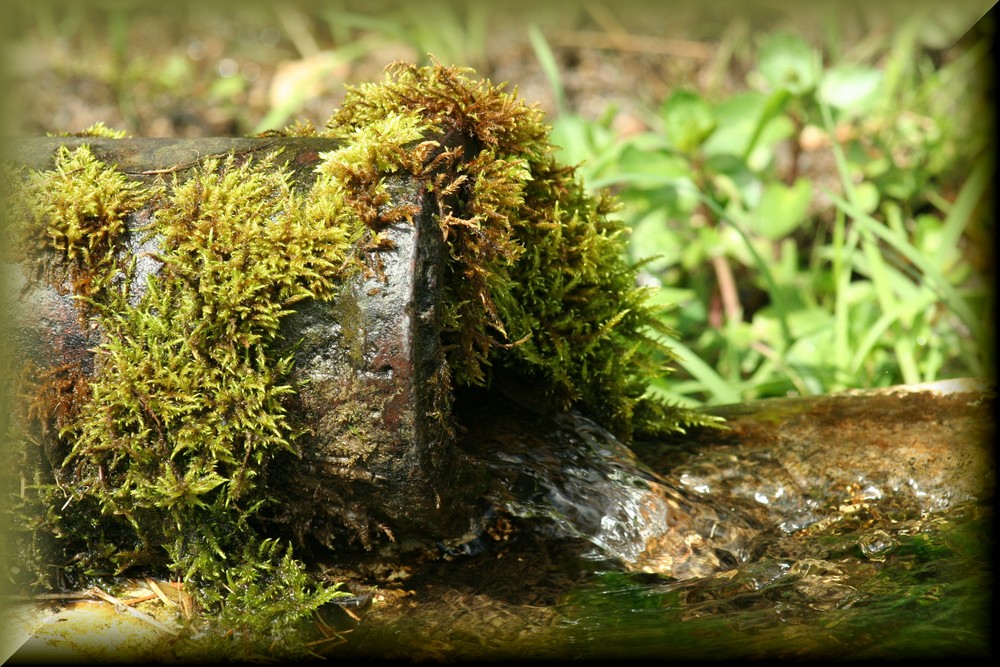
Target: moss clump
column 188, row 404
column 73, row 223
column 98, row 129
column 158, row 461
column 537, row 283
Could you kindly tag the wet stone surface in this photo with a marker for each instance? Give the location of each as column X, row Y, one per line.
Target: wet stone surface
column 821, row 542
column 915, row 450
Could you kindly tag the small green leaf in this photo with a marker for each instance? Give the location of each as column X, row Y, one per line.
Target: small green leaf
column 660, row 163
column 738, row 119
column 687, row 120
column 781, row 209
column 850, row 88
column 749, row 126
column 652, row 237
column 787, row 62
column 867, row 196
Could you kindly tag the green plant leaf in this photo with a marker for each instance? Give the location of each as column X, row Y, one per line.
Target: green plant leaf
column 648, row 169
column 653, row 237
column 661, row 163
column 946, row 292
column 737, row 120
column 581, row 142
column 722, row 391
column 548, row 62
column 786, row 62
column 850, row 88
column 772, row 110
column 867, row 195
column 782, row 208
column 687, row 120
column 748, row 126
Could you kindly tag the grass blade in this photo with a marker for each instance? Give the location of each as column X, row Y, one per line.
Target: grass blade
column 721, row 390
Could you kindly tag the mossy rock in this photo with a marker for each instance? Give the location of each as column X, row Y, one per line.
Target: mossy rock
column 247, row 383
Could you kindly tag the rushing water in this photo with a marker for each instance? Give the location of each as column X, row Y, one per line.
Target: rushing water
column 882, row 589
column 720, row 557
column 592, row 487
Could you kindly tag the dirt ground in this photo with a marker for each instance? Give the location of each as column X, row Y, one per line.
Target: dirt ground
column 211, row 69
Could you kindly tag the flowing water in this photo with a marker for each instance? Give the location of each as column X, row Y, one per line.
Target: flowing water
column 590, row 486
column 721, row 556
column 881, row 590
column 797, row 548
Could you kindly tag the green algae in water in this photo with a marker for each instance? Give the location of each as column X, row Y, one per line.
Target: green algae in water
column 930, row 597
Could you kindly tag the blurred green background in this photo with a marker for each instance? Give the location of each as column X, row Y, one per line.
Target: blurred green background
column 808, row 184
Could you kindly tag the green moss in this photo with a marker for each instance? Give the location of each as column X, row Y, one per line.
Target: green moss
column 161, row 460
column 537, row 283
column 188, row 400
column 253, row 618
column 188, row 407
column 98, row 129
column 72, row 222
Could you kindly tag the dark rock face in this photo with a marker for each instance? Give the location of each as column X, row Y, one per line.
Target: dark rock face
column 374, row 392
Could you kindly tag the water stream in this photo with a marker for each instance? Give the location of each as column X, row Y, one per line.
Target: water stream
column 726, row 554
column 589, row 485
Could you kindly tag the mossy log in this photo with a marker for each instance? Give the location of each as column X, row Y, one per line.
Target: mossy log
column 376, row 457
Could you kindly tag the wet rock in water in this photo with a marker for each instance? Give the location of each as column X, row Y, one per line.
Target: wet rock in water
column 576, row 480
column 698, row 504
column 796, row 461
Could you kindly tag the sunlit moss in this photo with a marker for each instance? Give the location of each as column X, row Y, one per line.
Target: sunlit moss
column 163, row 457
column 253, row 616
column 537, row 281
column 98, row 129
column 160, row 459
column 189, row 402
column 72, row 222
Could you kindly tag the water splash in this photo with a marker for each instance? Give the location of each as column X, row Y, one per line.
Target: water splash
column 588, row 485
